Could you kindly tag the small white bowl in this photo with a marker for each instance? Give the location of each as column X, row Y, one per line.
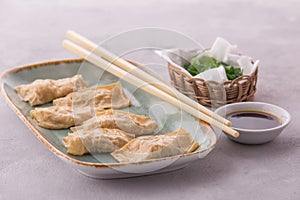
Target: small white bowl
column 256, row 136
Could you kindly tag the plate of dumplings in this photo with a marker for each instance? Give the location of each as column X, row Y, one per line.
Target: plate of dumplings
column 101, row 125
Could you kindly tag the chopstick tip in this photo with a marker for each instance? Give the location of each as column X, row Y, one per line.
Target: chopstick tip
column 228, row 123
column 70, row 32
column 236, row 134
column 64, row 42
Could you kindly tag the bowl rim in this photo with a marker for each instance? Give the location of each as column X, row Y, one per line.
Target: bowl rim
column 255, row 104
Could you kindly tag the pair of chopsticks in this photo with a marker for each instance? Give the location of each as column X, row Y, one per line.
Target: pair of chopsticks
column 139, row 78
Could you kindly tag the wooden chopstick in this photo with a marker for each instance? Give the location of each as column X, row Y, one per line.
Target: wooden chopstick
column 120, row 62
column 113, row 69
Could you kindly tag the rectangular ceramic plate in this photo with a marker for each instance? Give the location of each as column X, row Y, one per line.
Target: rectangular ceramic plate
column 104, row 166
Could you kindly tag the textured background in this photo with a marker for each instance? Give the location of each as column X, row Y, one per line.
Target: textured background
column 32, row 30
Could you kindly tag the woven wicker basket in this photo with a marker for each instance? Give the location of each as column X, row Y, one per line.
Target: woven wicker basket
column 210, row 93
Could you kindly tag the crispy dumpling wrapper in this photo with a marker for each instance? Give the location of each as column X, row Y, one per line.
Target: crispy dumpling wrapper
column 53, row 117
column 99, row 97
column 128, row 122
column 43, row 91
column 80, row 106
column 158, row 146
column 61, row 117
column 96, row 141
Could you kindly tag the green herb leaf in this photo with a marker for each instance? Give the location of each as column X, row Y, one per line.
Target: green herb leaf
column 232, row 73
column 203, row 63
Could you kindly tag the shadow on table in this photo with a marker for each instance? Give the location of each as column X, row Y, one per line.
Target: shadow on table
column 222, row 163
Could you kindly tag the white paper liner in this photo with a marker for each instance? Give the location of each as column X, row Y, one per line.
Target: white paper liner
column 222, row 50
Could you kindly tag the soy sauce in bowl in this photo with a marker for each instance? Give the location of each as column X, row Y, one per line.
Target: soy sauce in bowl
column 253, row 120
column 257, row 122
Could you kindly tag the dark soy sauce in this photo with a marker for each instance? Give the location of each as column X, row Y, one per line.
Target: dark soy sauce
column 253, row 120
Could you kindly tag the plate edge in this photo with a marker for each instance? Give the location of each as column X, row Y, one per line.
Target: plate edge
column 55, row 150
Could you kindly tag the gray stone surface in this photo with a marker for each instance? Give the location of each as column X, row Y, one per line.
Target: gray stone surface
column 32, row 30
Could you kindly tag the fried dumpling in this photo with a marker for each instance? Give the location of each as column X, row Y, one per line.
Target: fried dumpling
column 53, row 117
column 79, row 106
column 61, row 117
column 99, row 97
column 42, row 91
column 96, row 141
column 128, row 122
column 158, row 146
